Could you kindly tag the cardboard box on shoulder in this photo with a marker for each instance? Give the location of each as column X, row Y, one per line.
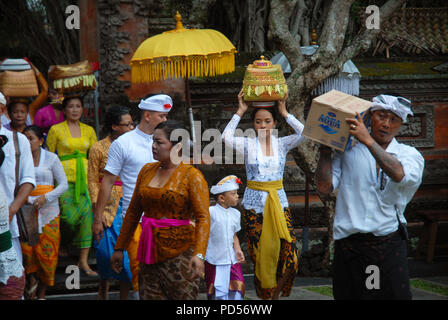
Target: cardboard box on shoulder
column 326, row 119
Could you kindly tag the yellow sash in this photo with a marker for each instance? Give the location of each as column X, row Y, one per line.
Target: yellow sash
column 274, row 228
column 41, row 189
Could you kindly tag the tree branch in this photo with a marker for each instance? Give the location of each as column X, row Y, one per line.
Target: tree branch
column 279, row 26
column 333, row 32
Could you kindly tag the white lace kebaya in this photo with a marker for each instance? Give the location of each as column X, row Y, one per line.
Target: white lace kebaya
column 48, row 172
column 260, row 167
column 9, row 261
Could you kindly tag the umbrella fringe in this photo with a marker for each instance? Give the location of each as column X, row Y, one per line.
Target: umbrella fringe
column 197, row 66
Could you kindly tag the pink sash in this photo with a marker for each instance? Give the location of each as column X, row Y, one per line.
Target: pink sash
column 145, row 252
column 116, row 183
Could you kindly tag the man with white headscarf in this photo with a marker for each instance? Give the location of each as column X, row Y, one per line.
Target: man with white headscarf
column 3, row 118
column 375, row 180
column 127, row 155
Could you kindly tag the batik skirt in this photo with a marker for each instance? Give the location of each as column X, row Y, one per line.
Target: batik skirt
column 133, row 261
column 236, row 283
column 368, row 267
column 169, row 280
column 14, row 288
column 288, row 261
column 76, row 219
column 42, row 258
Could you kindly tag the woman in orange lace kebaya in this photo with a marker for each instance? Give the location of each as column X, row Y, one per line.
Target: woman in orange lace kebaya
column 175, row 226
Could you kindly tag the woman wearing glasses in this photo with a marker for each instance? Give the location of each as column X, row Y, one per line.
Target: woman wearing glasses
column 117, row 121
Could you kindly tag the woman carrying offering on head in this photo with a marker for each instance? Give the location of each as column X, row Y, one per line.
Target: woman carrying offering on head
column 266, row 217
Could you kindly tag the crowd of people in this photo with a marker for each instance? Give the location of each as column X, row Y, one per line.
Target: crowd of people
column 150, row 219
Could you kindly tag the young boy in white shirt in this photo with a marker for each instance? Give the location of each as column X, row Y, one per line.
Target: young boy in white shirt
column 223, row 273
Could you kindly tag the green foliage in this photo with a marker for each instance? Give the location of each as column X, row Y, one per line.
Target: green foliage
column 429, row 286
column 323, row 290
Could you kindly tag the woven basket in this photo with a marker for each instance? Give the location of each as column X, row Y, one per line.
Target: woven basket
column 19, row 83
column 264, row 81
column 73, row 77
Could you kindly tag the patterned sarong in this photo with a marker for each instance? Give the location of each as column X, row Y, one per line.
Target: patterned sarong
column 288, row 262
column 236, row 279
column 76, row 219
column 43, row 257
column 14, row 288
column 168, row 280
column 105, row 249
column 354, row 254
column 133, row 261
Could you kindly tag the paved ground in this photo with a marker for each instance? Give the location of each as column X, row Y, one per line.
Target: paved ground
column 299, row 291
column 436, row 272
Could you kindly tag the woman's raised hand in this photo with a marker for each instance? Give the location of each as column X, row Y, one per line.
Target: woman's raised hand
column 282, row 106
column 242, row 105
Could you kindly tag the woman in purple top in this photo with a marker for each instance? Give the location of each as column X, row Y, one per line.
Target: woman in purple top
column 51, row 114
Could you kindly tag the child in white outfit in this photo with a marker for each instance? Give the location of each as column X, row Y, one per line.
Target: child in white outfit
column 223, row 273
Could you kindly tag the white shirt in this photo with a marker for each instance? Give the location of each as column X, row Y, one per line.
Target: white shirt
column 8, row 170
column 361, row 205
column 224, row 223
column 127, row 155
column 49, row 172
column 9, row 262
column 260, row 167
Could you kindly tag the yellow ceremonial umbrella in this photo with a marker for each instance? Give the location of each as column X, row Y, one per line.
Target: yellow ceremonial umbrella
column 183, row 53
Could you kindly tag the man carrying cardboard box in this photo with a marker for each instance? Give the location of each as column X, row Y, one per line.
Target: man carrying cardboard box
column 375, row 180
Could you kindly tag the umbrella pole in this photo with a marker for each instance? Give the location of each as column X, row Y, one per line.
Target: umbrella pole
column 190, row 110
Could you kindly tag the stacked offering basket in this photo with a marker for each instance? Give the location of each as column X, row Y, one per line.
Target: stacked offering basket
column 264, row 81
column 73, row 78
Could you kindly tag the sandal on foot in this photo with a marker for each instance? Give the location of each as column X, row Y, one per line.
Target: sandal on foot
column 30, row 294
column 88, row 273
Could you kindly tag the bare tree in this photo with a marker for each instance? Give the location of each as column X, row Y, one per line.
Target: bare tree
column 37, row 29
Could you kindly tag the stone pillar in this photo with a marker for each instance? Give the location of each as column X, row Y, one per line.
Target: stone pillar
column 88, row 36
column 122, row 26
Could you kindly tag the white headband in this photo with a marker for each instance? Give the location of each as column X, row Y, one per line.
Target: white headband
column 158, row 103
column 398, row 105
column 229, row 183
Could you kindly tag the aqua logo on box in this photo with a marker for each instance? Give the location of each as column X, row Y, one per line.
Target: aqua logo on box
column 329, row 123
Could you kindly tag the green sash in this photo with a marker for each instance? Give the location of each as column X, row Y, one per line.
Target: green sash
column 5, row 241
column 81, row 180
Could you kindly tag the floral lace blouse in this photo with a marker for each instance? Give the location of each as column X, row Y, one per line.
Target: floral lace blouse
column 97, row 162
column 260, row 167
column 184, row 196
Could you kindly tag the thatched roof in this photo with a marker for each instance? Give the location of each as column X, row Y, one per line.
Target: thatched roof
column 415, row 31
